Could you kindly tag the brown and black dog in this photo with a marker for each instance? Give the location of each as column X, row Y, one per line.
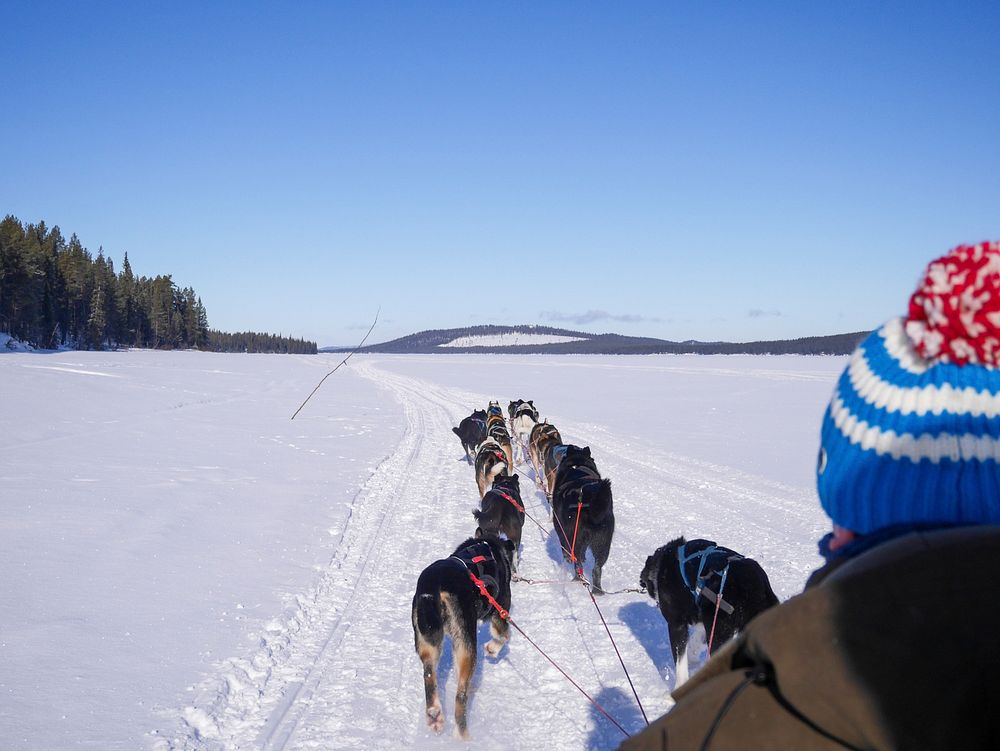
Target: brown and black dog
column 497, row 431
column 491, row 462
column 448, row 602
column 545, row 447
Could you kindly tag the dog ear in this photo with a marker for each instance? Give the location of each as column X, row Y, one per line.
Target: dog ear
column 516, row 480
column 479, row 533
column 586, row 451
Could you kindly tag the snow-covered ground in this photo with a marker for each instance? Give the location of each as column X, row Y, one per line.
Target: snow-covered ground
column 185, row 567
column 511, row 339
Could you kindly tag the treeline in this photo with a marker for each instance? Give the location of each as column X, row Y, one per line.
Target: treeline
column 249, row 341
column 54, row 293
column 425, row 342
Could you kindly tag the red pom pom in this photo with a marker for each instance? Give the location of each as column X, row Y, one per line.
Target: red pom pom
column 955, row 312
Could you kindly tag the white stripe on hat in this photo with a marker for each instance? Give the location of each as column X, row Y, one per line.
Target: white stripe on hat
column 919, row 400
column 943, row 446
column 900, row 347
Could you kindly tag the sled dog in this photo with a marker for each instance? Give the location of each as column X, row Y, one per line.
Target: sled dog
column 448, row 602
column 684, row 578
column 583, row 511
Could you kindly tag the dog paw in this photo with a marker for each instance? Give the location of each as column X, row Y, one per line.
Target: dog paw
column 435, row 719
column 493, row 647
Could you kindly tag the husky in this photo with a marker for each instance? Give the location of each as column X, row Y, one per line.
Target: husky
column 684, row 578
column 471, row 432
column 545, row 448
column 523, row 418
column 501, row 512
column 497, row 431
column 491, row 462
column 512, row 407
column 583, row 511
column 448, row 602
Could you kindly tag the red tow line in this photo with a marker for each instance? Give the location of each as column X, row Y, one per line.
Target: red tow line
column 483, row 591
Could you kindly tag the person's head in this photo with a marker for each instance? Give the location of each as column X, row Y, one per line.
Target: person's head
column 912, row 433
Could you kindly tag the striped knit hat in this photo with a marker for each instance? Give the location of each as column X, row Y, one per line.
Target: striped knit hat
column 912, row 434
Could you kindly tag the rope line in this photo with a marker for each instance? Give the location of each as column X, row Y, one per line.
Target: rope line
column 341, row 363
column 613, row 644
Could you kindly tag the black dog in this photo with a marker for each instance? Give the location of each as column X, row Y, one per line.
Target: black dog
column 502, row 512
column 448, row 601
column 686, row 577
column 583, row 511
column 471, row 432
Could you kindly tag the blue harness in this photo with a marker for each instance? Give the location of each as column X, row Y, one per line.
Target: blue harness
column 558, row 452
column 713, row 561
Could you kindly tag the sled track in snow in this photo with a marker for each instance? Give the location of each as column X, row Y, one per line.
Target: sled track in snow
column 258, row 702
column 312, row 683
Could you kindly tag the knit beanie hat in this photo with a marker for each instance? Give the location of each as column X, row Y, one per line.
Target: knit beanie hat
column 912, row 434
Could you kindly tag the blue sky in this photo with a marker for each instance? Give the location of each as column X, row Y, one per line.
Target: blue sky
column 726, row 171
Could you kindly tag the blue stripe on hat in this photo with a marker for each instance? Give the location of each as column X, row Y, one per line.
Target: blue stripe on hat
column 864, row 490
column 889, row 369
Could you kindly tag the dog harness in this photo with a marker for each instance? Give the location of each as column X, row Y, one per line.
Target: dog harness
column 558, row 452
column 478, row 560
column 708, row 564
column 508, row 497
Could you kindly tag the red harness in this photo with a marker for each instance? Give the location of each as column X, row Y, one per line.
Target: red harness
column 510, row 498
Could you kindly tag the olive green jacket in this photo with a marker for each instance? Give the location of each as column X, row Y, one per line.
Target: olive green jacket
column 897, row 648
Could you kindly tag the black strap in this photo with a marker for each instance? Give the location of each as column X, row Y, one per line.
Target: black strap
column 763, row 675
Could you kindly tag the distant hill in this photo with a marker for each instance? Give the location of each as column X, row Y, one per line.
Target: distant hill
column 530, row 340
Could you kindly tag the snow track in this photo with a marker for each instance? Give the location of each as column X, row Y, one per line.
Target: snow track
column 337, row 670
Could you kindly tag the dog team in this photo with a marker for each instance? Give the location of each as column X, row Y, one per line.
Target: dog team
column 691, row 581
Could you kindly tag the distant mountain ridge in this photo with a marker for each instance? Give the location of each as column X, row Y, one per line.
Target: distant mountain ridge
column 433, row 341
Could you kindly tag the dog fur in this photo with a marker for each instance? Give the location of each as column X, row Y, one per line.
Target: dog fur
column 471, row 432
column 523, row 418
column 447, row 602
column 578, row 481
column 512, row 407
column 747, row 590
column 491, row 462
column 543, row 438
column 497, row 431
column 497, row 513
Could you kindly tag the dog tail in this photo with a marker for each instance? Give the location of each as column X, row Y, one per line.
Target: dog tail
column 477, row 513
column 496, row 470
column 603, row 509
column 428, row 611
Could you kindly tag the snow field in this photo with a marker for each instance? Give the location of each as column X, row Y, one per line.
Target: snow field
column 263, row 569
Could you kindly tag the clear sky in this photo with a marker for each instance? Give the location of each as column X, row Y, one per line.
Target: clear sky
column 682, row 170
